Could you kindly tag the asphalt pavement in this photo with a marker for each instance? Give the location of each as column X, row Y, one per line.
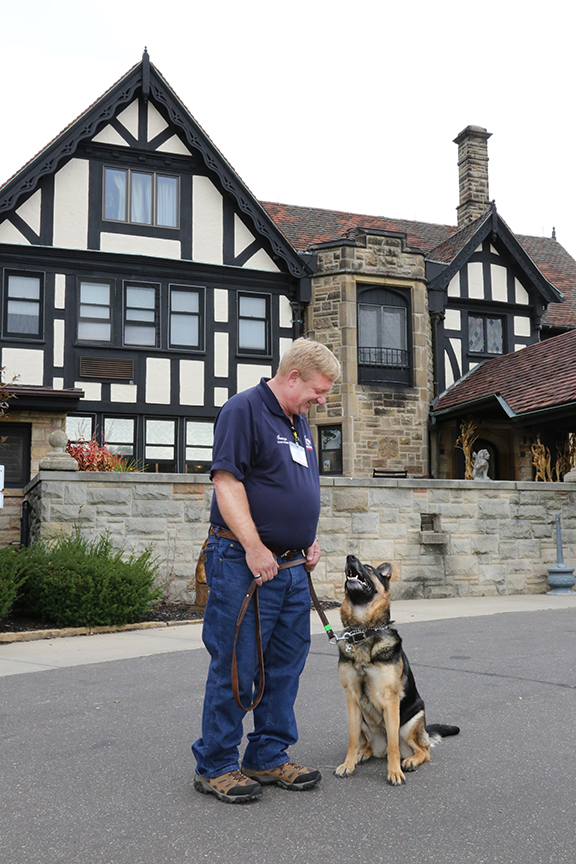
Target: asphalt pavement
column 96, row 765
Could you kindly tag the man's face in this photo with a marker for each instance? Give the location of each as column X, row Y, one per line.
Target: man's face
column 304, row 393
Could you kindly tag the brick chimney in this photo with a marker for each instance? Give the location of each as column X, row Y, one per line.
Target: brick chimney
column 472, row 173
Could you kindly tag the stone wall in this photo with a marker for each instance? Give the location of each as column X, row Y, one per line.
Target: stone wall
column 42, row 425
column 478, row 538
column 383, row 426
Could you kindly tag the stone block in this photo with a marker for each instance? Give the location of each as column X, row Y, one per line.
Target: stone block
column 351, row 500
column 459, row 566
column 366, row 523
column 152, row 491
column 71, row 513
column 151, row 526
column 493, row 508
column 375, row 552
column 482, row 544
column 97, row 495
column 492, row 574
column 194, row 511
column 334, row 525
column 159, row 508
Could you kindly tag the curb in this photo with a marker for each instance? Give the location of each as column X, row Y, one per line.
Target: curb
column 35, row 635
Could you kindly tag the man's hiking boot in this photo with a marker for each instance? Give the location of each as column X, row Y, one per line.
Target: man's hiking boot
column 289, row 776
column 234, row 787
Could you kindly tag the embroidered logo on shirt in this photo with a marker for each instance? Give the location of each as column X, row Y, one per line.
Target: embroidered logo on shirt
column 308, row 444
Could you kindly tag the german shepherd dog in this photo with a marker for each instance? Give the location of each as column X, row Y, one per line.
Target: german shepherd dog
column 385, row 710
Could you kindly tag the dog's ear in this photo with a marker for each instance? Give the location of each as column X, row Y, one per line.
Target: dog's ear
column 384, row 572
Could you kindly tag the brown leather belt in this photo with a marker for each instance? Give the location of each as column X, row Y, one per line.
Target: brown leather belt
column 280, row 553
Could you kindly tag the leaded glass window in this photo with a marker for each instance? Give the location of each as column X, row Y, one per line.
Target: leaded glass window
column 485, row 335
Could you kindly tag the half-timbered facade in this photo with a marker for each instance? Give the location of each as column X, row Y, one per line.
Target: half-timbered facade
column 140, row 275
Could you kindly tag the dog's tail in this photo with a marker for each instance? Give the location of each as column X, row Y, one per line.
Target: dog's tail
column 437, row 731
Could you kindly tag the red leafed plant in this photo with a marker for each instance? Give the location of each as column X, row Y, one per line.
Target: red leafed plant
column 92, row 456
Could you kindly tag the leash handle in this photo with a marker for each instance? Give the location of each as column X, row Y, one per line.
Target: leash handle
column 319, row 610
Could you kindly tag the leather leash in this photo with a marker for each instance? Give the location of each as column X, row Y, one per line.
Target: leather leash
column 253, row 592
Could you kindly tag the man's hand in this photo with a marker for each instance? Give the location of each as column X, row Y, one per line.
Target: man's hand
column 312, row 556
column 262, row 563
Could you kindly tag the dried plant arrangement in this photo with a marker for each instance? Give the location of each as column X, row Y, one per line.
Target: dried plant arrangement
column 566, row 456
column 465, row 441
column 541, row 461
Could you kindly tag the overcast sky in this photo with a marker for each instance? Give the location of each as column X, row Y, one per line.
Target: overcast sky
column 326, row 103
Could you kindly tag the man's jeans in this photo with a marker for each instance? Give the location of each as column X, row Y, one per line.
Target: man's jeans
column 285, row 624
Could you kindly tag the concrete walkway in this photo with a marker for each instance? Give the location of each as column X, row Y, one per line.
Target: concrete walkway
column 43, row 655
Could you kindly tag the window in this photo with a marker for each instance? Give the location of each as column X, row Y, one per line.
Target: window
column 15, row 454
column 141, row 315
column 119, row 435
column 485, row 334
column 23, row 312
column 95, row 315
column 383, row 337
column 141, row 197
column 199, row 442
column 185, row 318
column 160, row 445
column 330, row 449
column 79, row 428
column 254, row 324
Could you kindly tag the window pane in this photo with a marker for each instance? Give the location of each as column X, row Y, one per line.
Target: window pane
column 331, row 438
column 119, row 429
column 27, row 287
column 393, row 327
column 78, row 427
column 141, row 198
column 184, row 330
column 160, row 432
column 142, row 335
column 494, row 336
column 23, row 317
column 93, row 292
column 93, row 331
column 166, row 453
column 185, row 301
column 368, row 325
column 115, row 194
column 142, row 298
column 252, row 335
column 90, row 311
column 201, row 434
column 253, row 307
column 475, row 333
column 140, row 315
column 167, row 201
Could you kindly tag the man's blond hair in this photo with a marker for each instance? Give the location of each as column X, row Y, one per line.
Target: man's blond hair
column 309, row 357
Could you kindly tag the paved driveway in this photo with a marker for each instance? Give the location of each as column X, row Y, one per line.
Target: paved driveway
column 96, row 768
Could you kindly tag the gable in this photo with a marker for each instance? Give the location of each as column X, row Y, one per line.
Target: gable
column 139, row 136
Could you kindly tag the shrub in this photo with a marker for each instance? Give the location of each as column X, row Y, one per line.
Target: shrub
column 11, row 578
column 72, row 582
column 92, row 456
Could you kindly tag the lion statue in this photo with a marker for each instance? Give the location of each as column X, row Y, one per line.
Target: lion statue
column 481, row 460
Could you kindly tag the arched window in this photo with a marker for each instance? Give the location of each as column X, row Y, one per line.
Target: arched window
column 384, row 339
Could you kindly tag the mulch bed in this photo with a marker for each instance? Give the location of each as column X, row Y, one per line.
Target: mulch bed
column 163, row 612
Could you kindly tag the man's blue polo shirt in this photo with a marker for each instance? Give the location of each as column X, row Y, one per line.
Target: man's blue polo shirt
column 252, row 438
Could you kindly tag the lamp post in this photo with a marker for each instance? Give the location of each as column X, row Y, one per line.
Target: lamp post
column 560, row 578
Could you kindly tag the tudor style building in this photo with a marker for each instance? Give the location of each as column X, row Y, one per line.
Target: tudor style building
column 142, row 284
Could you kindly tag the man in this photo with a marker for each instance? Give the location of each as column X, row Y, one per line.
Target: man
column 264, row 512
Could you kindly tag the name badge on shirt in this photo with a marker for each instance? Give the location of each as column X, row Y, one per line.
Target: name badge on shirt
column 298, row 454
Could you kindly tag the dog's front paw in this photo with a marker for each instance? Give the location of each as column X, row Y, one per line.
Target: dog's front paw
column 344, row 770
column 396, row 778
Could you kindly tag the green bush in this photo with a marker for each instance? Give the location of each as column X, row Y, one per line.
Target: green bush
column 11, row 578
column 72, row 582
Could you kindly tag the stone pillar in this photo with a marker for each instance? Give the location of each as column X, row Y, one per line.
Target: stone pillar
column 58, row 460
column 472, row 173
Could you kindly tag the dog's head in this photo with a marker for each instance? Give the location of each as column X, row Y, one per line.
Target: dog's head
column 367, row 591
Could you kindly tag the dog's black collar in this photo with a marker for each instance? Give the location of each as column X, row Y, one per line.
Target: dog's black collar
column 354, row 635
